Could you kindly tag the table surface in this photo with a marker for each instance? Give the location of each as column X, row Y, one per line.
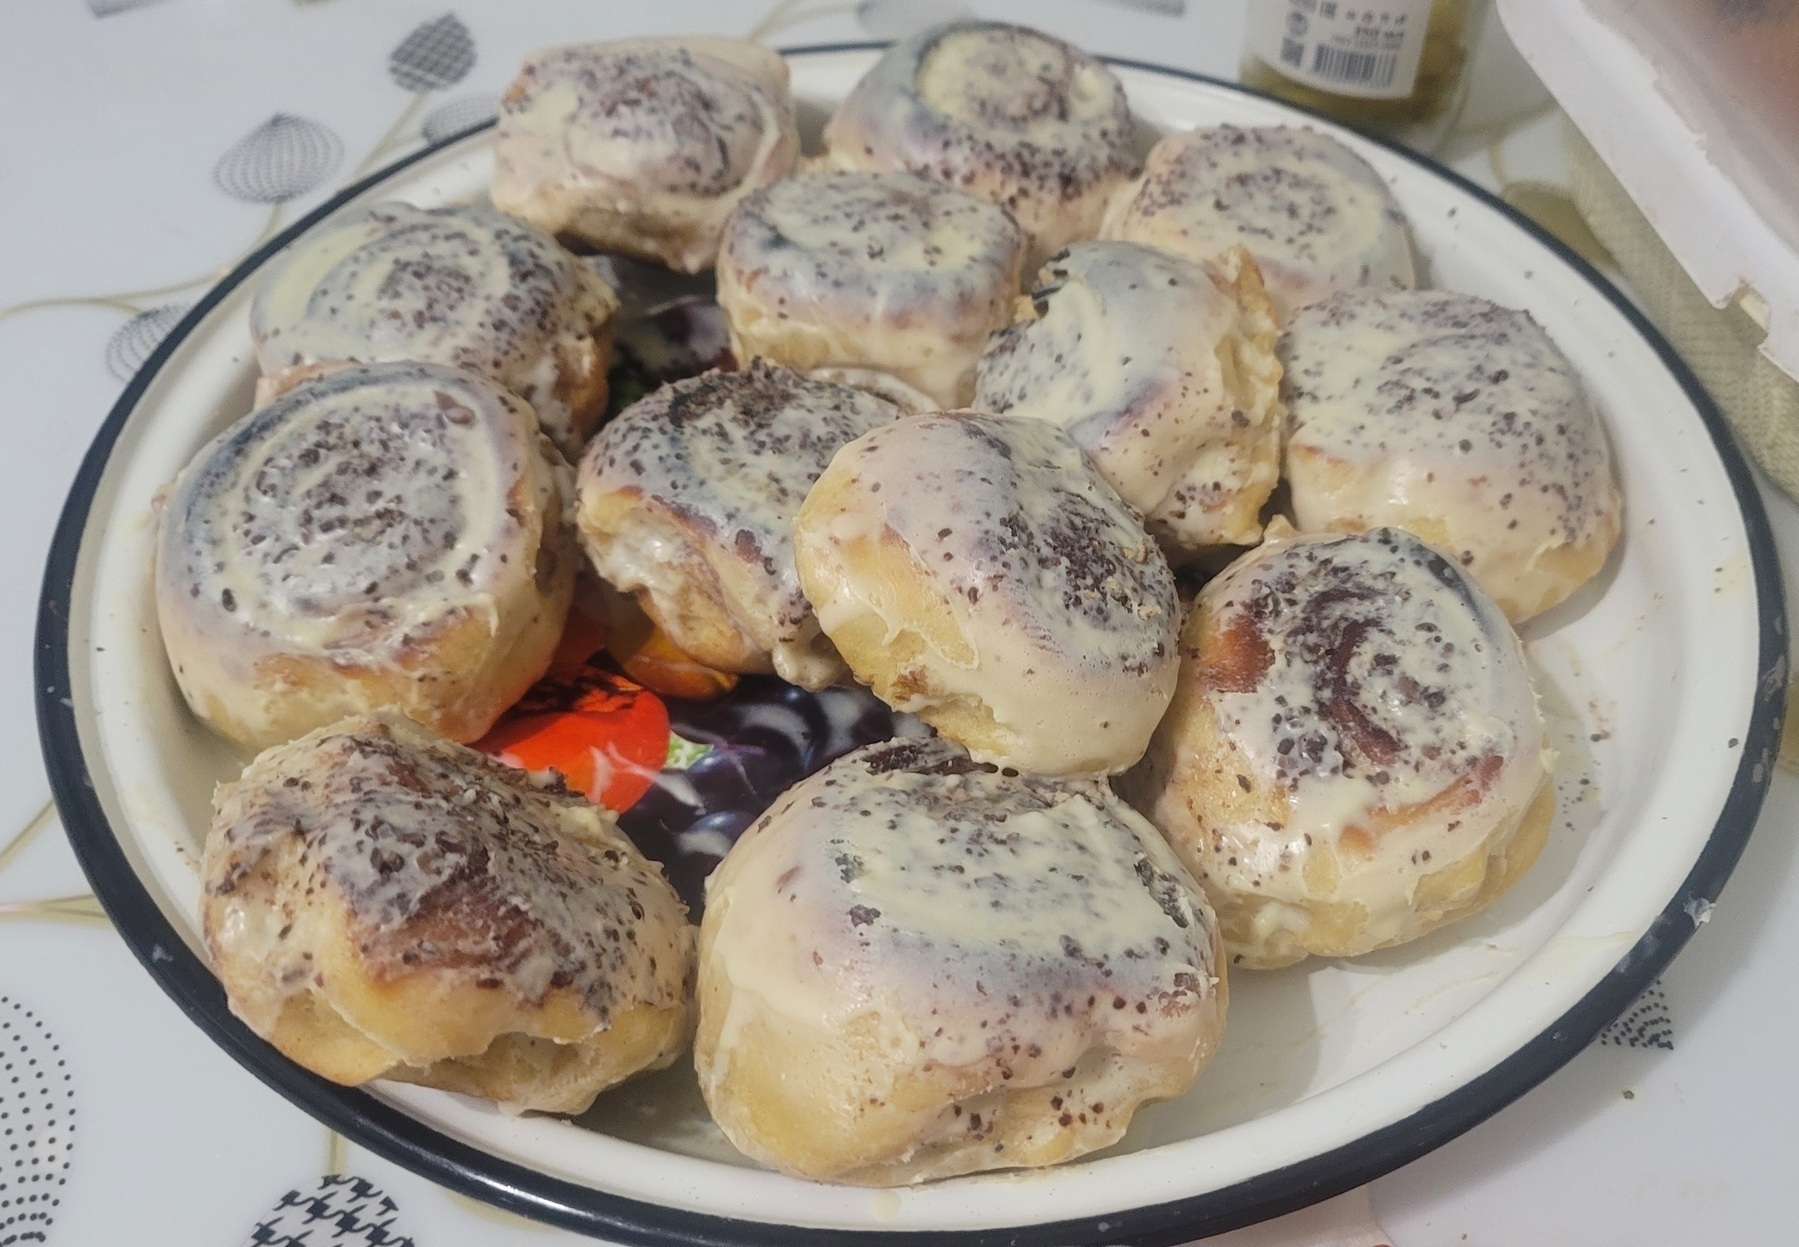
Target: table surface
column 117, row 208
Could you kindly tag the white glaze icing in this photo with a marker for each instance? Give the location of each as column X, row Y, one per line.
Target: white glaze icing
column 350, row 522
column 461, row 285
column 1315, row 215
column 909, row 400
column 1065, row 610
column 644, row 145
column 886, row 271
column 1366, row 677
column 1005, row 927
column 430, row 859
column 725, row 459
column 1456, row 418
column 1162, row 372
column 1005, row 112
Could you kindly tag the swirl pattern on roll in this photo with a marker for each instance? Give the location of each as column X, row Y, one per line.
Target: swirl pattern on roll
column 1163, row 372
column 380, row 902
column 688, row 499
column 915, row 966
column 883, row 271
column 462, row 285
column 1459, row 420
column 976, row 571
column 1002, row 111
column 644, row 145
column 1315, row 215
column 1354, row 754
column 389, row 534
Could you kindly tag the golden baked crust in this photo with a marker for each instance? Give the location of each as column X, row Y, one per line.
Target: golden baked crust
column 1459, row 421
column 687, row 500
column 883, row 271
column 380, row 902
column 1004, row 112
column 462, row 285
column 975, row 570
column 643, row 146
column 916, row 966
column 1354, row 754
column 438, row 584
column 1164, row 373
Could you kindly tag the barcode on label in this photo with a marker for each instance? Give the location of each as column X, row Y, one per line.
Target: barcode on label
column 1369, row 69
column 1293, row 52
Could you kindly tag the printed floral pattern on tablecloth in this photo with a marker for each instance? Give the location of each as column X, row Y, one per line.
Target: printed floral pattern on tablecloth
column 37, row 1124
column 287, row 157
column 342, row 1210
column 1648, row 1023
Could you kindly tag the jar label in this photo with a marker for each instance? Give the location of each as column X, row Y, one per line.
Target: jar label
column 1364, row 48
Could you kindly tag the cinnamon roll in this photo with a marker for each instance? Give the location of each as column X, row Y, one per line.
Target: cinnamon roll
column 644, row 145
column 687, row 501
column 1004, row 112
column 461, row 285
column 1354, row 755
column 1315, row 215
column 915, row 966
column 975, row 571
column 1163, row 372
column 1458, row 420
column 882, row 271
column 387, row 535
column 381, row 903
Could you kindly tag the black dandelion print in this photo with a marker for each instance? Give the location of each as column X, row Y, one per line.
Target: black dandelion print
column 37, row 1125
column 1646, row 1024
column 342, row 1211
column 133, row 341
column 437, row 54
column 279, row 160
column 459, row 115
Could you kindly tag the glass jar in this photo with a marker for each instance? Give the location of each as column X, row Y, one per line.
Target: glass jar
column 1390, row 67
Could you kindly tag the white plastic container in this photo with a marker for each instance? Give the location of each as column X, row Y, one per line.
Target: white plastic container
column 1687, row 168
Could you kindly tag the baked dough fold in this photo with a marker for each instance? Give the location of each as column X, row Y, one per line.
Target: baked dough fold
column 1164, row 373
column 463, row 285
column 383, row 903
column 644, row 145
column 976, row 571
column 1460, row 421
column 1354, row 755
column 916, row 966
column 386, row 535
column 687, row 500
column 1004, row 112
column 883, row 271
column 1315, row 215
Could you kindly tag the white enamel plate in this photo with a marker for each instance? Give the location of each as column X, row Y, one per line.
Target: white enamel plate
column 1662, row 683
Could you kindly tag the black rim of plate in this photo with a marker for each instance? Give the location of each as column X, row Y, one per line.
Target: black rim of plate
column 399, row 1137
